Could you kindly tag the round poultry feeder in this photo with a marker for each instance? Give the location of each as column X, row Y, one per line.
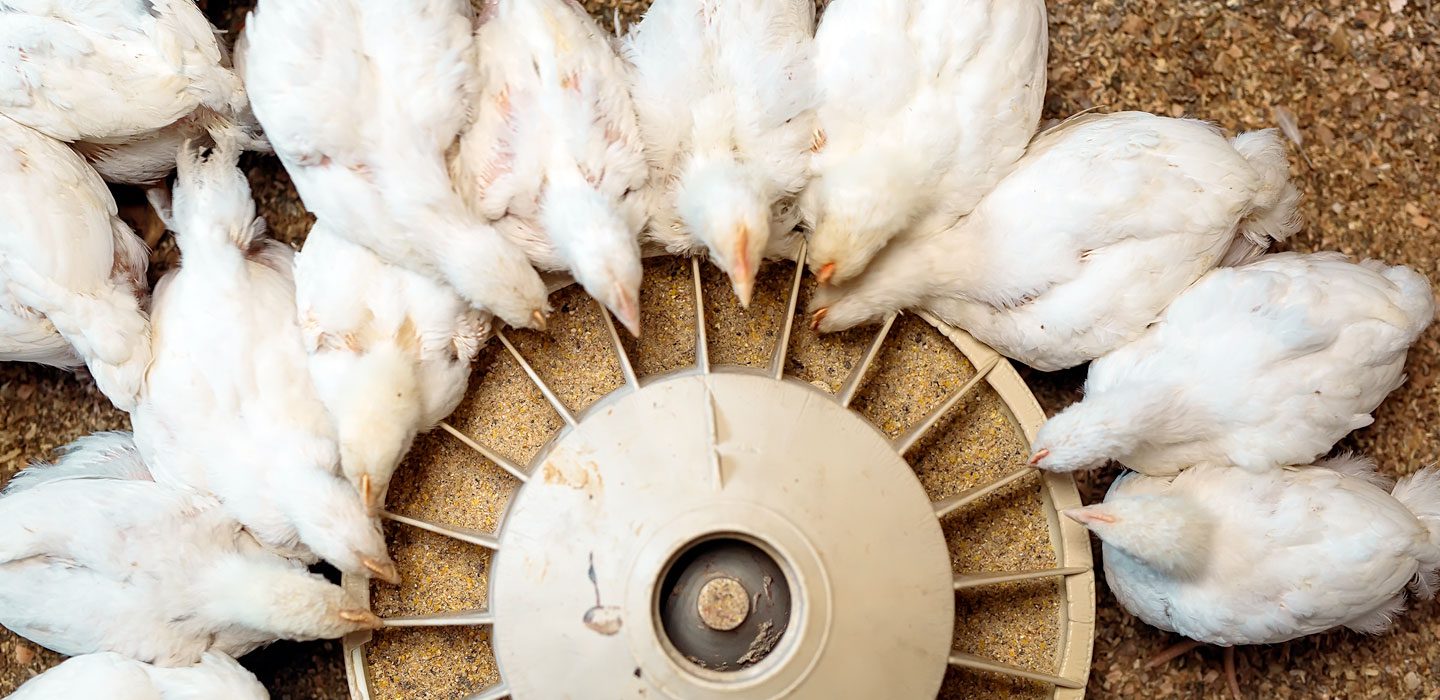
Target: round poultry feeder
column 730, row 507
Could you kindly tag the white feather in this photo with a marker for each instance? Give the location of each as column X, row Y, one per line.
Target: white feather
column 1103, row 222
column 553, row 158
column 1261, row 366
column 114, row 75
column 725, row 94
column 113, row 676
column 1226, row 556
column 924, row 106
column 229, row 406
column 390, row 351
column 92, row 561
column 362, row 101
column 71, row 273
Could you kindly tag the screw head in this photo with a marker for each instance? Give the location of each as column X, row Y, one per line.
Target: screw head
column 723, row 603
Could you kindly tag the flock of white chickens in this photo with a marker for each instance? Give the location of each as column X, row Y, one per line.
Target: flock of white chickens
column 449, row 153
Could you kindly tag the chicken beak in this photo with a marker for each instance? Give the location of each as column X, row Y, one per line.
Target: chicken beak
column 363, row 619
column 374, row 498
column 817, row 318
column 742, row 273
column 383, row 570
column 538, row 322
column 627, row 309
column 1036, row 458
column 1089, row 515
column 744, row 289
column 818, row 140
column 826, row 272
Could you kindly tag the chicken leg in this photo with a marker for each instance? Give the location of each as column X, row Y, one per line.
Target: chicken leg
column 1175, row 651
column 1230, row 675
column 1172, row 652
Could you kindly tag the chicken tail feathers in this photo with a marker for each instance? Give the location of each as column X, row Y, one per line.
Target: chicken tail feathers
column 1274, row 213
column 212, row 204
column 242, row 128
column 132, row 257
column 1356, row 466
column 106, row 455
column 1415, row 298
column 1378, row 620
column 1420, row 492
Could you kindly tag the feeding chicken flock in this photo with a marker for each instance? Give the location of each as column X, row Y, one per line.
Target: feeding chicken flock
column 450, row 155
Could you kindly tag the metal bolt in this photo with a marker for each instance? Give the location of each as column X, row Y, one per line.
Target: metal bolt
column 723, row 603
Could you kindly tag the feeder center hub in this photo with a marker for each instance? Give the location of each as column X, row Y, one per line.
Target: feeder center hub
column 722, row 535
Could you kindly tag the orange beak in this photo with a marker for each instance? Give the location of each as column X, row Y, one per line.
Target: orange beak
column 363, row 618
column 628, row 310
column 1088, row 515
column 742, row 275
column 817, row 318
column 383, row 570
column 1035, row 458
column 369, row 496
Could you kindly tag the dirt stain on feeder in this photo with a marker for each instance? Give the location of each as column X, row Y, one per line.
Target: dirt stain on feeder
column 763, row 643
column 604, row 619
column 583, row 477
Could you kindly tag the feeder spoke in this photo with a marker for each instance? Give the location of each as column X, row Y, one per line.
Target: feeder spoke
column 463, row 534
column 991, row 578
column 712, row 435
column 963, row 660
column 912, row 436
column 958, row 501
column 354, row 650
column 620, row 355
column 702, row 341
column 782, row 343
column 481, row 617
column 497, row 691
column 500, row 460
column 535, row 379
column 857, row 376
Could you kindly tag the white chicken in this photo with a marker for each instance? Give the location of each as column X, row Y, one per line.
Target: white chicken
column 725, row 91
column 126, row 82
column 362, row 101
column 554, row 159
column 229, row 406
column 115, row 677
column 924, row 106
column 71, row 273
column 95, row 557
column 1259, row 366
column 1230, row 557
column 1105, row 220
column 390, row 352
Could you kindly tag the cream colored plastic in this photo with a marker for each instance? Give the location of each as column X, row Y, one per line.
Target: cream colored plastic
column 1072, row 542
column 723, row 418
